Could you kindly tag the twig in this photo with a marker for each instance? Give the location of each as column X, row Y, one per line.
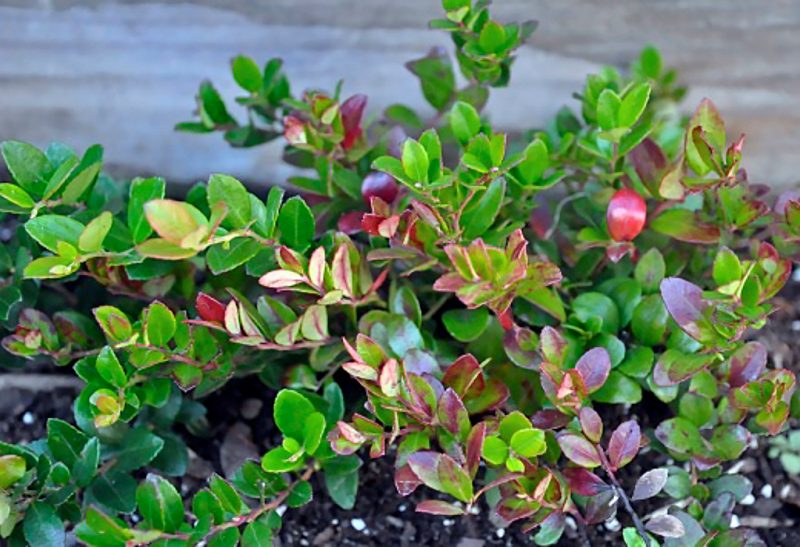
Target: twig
column 637, row 522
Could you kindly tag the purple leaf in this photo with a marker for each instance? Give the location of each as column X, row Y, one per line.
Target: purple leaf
column 442, row 473
column 475, row 447
column 650, row 484
column 666, row 526
column 583, row 482
column 649, row 162
column 550, row 418
column 624, row 444
column 452, row 414
column 747, row 363
column 673, row 367
column 594, row 366
column 439, row 507
column 684, row 302
column 591, row 424
column 601, row 507
column 578, row 449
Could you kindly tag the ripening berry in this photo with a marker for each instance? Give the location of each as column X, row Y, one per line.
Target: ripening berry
column 209, row 308
column 626, row 215
column 352, row 110
column 380, row 185
column 294, row 130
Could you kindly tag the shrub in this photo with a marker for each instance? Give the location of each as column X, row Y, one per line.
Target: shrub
column 520, row 314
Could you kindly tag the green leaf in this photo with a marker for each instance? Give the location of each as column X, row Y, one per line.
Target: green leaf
column 466, row 325
column 300, row 495
column 618, row 389
column 12, row 468
column 684, row 225
column 231, row 192
column 650, row 270
column 608, row 104
column 42, row 526
column 175, row 220
column 84, row 176
column 159, row 324
column 482, row 211
column 291, row 411
column 138, row 448
column 650, row 62
column 224, row 257
column 164, row 250
column 28, row 165
column 273, row 205
column 727, row 267
column 649, row 323
column 592, row 306
column 402, row 114
column 465, row 121
column 391, row 166
column 341, row 479
column 115, row 323
column 49, row 230
column 436, row 76
column 314, row 326
column 13, row 199
column 534, row 163
column 415, row 161
column 258, row 533
column 212, row 107
column 109, row 368
column 84, row 470
column 495, row 450
column 528, row 443
column 142, row 191
column 246, row 73
column 296, row 223
column 92, row 237
column 633, row 105
column 159, row 504
column 65, row 441
column 117, row 491
column 227, row 495
column 492, row 38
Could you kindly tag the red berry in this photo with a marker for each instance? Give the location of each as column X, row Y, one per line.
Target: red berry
column 626, row 215
column 209, row 308
column 352, row 110
column 379, row 185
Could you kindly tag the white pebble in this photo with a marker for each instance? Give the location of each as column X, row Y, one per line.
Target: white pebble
column 501, row 532
column 474, row 510
column 735, row 523
column 280, row 510
column 335, row 522
column 796, row 276
column 749, row 499
column 571, row 524
column 27, row 418
column 448, row 522
column 795, row 325
column 785, row 491
column 613, row 525
column 766, row 490
column 358, row 525
column 402, row 507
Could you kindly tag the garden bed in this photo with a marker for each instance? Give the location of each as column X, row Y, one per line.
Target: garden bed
column 241, row 426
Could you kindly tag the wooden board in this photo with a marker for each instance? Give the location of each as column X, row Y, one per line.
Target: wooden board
column 122, row 73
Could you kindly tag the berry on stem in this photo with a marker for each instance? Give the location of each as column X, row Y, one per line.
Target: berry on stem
column 626, row 215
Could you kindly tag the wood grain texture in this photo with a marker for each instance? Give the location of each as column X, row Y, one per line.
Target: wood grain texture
column 122, row 73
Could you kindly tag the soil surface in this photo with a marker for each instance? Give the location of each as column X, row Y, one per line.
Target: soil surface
column 241, row 427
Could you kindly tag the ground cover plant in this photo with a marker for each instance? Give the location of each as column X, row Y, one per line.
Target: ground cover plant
column 474, row 307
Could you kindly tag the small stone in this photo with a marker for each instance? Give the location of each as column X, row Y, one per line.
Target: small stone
column 281, row 509
column 571, row 524
column 402, row 507
column 251, row 408
column 358, row 525
column 735, row 522
column 795, row 325
column 474, row 510
column 323, row 537
column 448, row 522
column 613, row 525
column 785, row 491
column 28, row 418
column 335, row 522
column 796, row 275
column 766, row 491
column 749, row 499
column 501, row 533
column 394, row 522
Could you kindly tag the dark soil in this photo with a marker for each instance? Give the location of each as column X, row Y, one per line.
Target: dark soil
column 240, row 417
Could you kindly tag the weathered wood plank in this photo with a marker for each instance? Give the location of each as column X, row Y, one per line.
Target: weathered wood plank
column 122, row 73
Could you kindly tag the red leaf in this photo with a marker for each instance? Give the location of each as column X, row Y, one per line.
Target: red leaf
column 591, row 424
column 594, row 366
column 578, row 449
column 439, row 507
column 452, row 414
column 352, row 110
column 475, row 447
column 464, row 375
column 209, row 308
column 649, row 162
column 550, row 418
column 583, row 482
column 351, row 222
column 747, row 363
column 405, row 480
column 624, row 444
column 552, row 345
